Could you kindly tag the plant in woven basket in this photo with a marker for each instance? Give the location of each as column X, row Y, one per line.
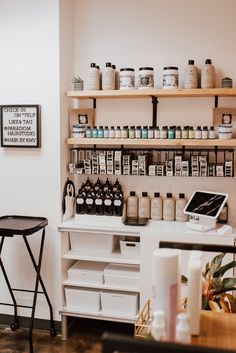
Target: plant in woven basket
column 215, row 288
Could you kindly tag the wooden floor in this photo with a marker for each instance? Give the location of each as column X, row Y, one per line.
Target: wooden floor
column 84, row 337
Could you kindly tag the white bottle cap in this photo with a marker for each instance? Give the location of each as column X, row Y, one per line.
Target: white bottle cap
column 165, row 263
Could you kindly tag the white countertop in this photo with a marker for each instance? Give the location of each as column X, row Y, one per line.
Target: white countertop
column 116, row 226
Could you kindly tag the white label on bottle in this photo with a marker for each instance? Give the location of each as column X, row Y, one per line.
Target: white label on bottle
column 98, row 202
column 89, row 201
column 107, row 202
column 79, row 201
column 117, row 202
column 169, row 210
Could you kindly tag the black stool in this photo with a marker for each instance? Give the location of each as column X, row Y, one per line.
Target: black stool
column 25, row 226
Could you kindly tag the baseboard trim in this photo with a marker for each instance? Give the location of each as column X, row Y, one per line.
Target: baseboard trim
column 24, row 322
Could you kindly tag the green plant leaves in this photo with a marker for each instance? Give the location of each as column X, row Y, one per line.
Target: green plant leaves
column 221, row 271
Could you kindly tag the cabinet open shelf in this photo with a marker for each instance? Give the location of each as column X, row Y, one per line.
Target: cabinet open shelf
column 68, row 282
column 115, row 257
column 153, row 92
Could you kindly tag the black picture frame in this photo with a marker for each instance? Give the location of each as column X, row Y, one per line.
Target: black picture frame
column 20, row 125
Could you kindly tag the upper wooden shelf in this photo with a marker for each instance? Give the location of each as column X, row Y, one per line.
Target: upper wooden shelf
column 152, row 142
column 153, row 92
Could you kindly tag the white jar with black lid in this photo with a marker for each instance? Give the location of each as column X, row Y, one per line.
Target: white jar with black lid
column 170, row 77
column 146, row 77
column 127, row 78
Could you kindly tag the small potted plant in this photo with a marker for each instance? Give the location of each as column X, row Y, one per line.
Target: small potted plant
column 216, row 290
column 78, row 83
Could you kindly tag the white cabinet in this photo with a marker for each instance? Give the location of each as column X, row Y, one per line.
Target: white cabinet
column 99, row 237
column 116, row 291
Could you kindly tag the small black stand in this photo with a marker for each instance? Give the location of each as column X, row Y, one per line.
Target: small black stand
column 25, row 226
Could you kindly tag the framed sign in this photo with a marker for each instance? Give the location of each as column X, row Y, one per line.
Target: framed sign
column 20, row 126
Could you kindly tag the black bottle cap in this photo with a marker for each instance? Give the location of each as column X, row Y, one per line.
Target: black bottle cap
column 146, row 68
column 170, row 68
column 127, row 69
column 169, row 194
column 112, row 127
column 144, row 194
column 145, row 127
column 113, row 66
column 181, row 196
column 108, row 64
column 198, row 127
column 98, row 67
column 208, row 61
column 101, row 127
column 205, row 128
column 92, row 65
column 191, row 62
column 132, row 193
column 156, row 194
column 106, row 127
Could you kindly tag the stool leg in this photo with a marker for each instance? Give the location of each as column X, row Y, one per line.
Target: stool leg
column 38, row 268
column 16, row 323
column 52, row 328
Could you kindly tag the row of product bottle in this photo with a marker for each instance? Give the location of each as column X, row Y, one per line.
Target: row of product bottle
column 100, row 198
column 157, row 208
column 109, row 78
column 148, row 132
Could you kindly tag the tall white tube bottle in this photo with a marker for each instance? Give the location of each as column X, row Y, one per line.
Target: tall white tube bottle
column 194, row 297
column 165, row 286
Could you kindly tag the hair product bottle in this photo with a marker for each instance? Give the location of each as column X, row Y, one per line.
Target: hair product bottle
column 158, row 326
column 208, row 75
column 194, row 296
column 169, row 208
column 132, row 205
column 144, row 206
column 165, row 285
column 191, row 75
column 179, row 208
column 108, row 77
column 182, row 333
column 156, row 207
column 93, row 78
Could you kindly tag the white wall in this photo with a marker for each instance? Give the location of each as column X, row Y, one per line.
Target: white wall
column 159, row 33
column 30, row 181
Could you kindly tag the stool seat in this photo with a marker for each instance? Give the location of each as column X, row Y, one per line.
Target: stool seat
column 23, row 225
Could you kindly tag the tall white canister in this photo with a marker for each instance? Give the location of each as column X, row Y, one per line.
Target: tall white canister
column 166, row 285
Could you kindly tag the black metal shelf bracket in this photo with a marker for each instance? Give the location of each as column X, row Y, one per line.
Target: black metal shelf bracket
column 216, row 101
column 94, row 103
column 154, row 111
